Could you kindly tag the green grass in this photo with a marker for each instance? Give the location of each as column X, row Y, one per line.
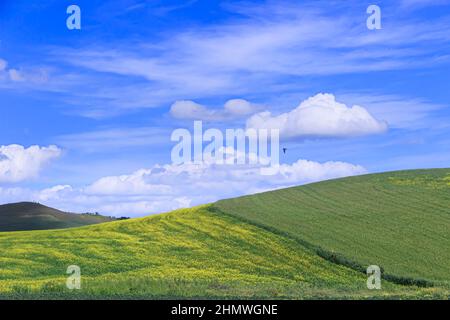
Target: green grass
column 187, row 253
column 398, row 220
column 310, row 242
column 34, row 216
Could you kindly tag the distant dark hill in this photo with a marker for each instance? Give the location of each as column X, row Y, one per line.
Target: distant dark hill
column 34, row 216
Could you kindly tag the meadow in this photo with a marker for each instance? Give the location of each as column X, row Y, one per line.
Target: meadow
column 185, row 253
column 399, row 221
column 310, row 242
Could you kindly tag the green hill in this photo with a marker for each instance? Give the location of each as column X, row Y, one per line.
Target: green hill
column 312, row 241
column 34, row 216
column 190, row 253
column 397, row 220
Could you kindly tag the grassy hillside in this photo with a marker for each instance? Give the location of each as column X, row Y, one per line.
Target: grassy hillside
column 34, row 216
column 186, row 253
column 306, row 242
column 399, row 220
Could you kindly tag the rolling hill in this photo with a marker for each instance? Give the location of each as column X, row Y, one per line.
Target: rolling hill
column 185, row 253
column 397, row 220
column 34, row 216
column 312, row 241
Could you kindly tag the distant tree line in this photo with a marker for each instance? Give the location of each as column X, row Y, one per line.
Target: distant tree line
column 111, row 217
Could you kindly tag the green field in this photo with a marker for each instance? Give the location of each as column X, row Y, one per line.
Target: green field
column 399, row 221
column 34, row 216
column 299, row 243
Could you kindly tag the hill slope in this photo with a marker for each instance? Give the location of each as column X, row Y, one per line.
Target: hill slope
column 305, row 242
column 34, row 216
column 185, row 253
column 397, row 220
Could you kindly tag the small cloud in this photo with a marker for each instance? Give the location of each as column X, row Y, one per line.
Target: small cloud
column 15, row 75
column 320, row 116
column 32, row 75
column 190, row 110
column 55, row 192
column 3, row 64
column 133, row 184
column 187, row 109
column 239, row 107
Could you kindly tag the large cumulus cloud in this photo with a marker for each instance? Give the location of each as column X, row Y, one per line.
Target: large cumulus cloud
column 320, row 116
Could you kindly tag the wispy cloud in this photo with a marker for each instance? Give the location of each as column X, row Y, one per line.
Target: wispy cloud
column 245, row 54
column 115, row 139
column 400, row 112
column 30, row 76
column 416, row 4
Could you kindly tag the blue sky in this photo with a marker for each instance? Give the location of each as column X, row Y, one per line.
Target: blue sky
column 97, row 103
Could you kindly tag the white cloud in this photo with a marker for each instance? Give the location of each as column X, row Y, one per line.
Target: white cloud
column 399, row 111
column 190, row 110
column 59, row 192
column 320, row 116
column 239, row 107
column 310, row 171
column 187, row 109
column 258, row 51
column 18, row 163
column 30, row 75
column 415, row 4
column 3, row 64
column 15, row 75
column 168, row 187
column 134, row 184
column 114, row 138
